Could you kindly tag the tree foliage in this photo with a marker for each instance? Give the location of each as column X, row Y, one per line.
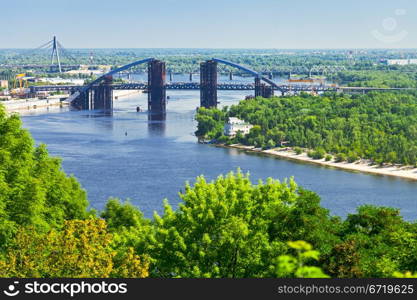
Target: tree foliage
column 295, row 266
column 228, row 227
column 81, row 249
column 376, row 126
column 34, row 191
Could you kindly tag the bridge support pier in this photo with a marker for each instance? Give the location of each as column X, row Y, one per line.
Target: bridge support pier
column 103, row 95
column 156, row 87
column 268, row 91
column 208, row 84
column 263, row 90
column 97, row 97
column 83, row 102
column 258, row 87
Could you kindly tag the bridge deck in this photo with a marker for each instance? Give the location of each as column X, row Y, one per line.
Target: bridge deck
column 220, row 86
column 184, row 86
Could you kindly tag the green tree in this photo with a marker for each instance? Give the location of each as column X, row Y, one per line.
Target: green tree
column 295, row 266
column 227, row 228
column 81, row 249
column 34, row 191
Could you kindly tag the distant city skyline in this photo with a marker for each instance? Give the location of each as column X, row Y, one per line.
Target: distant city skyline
column 302, row 24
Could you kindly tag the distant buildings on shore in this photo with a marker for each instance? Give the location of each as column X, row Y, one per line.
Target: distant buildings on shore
column 57, row 80
column 401, row 62
column 234, row 125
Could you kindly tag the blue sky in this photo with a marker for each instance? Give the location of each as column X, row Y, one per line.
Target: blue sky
column 210, row 23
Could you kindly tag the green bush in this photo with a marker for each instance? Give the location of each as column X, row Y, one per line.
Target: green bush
column 340, row 157
column 270, row 144
column 298, row 150
column 316, row 154
column 223, row 139
column 328, row 157
column 352, row 157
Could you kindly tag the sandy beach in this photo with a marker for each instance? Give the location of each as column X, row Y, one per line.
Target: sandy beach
column 406, row 172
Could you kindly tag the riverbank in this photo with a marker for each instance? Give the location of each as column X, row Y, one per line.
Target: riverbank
column 13, row 106
column 406, row 172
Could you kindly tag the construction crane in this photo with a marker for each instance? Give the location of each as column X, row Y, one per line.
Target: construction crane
column 21, row 79
column 20, row 89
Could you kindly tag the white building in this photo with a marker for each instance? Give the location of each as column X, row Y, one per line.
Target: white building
column 234, row 125
column 401, row 62
column 58, row 80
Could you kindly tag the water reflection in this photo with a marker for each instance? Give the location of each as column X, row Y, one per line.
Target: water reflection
column 156, row 124
column 100, row 118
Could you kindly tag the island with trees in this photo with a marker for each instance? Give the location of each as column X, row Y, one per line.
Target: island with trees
column 377, row 129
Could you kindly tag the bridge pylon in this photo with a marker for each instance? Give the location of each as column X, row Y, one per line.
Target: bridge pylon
column 156, row 87
column 208, row 84
column 55, row 53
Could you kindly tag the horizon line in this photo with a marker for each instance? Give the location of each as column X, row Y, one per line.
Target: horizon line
column 219, row 48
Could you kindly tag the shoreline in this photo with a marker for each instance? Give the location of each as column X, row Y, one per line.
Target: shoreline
column 403, row 172
column 22, row 105
column 32, row 104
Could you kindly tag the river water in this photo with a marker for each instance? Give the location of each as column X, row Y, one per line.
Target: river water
column 129, row 157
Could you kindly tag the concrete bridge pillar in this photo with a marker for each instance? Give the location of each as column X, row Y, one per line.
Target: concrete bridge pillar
column 103, row 95
column 97, row 97
column 208, row 84
column 268, row 91
column 263, row 90
column 83, row 102
column 258, row 87
column 156, row 87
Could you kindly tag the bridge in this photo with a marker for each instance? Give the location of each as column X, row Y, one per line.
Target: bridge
column 191, row 86
column 156, row 86
column 99, row 93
